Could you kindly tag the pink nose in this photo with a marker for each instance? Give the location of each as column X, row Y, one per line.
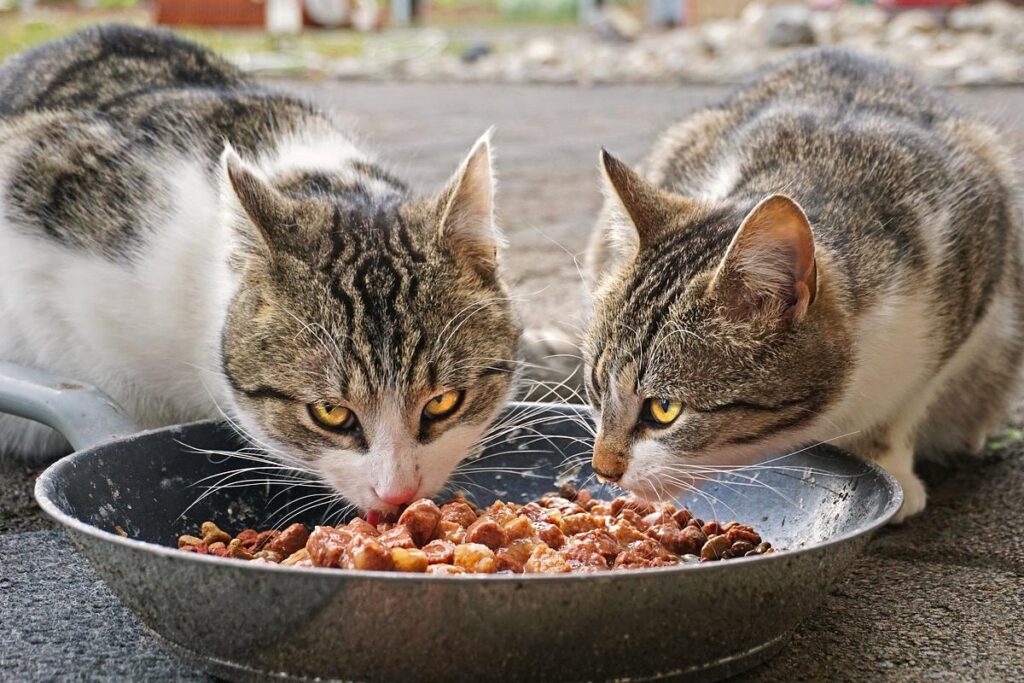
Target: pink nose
column 397, row 496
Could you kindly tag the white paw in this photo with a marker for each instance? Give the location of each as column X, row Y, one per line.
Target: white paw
column 914, row 496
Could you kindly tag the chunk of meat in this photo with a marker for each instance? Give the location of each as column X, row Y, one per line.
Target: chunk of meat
column 289, row 541
column 549, row 534
column 327, row 546
column 409, row 560
column 421, row 518
column 600, row 541
column 475, row 558
column 368, row 553
column 544, row 560
column 450, row 531
column 458, row 511
column 439, row 551
column 488, row 532
column 578, row 522
column 518, row 528
column 397, row 537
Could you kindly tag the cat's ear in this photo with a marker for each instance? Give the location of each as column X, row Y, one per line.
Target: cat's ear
column 647, row 211
column 266, row 209
column 466, row 208
column 769, row 268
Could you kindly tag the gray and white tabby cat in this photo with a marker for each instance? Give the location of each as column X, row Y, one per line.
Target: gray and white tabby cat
column 834, row 253
column 357, row 331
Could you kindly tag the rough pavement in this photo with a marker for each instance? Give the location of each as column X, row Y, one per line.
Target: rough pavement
column 941, row 598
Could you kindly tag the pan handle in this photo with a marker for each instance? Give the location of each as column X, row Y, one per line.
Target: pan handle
column 83, row 414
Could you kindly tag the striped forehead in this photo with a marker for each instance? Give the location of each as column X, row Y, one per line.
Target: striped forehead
column 639, row 307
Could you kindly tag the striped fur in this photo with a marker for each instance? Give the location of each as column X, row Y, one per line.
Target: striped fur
column 899, row 334
column 192, row 242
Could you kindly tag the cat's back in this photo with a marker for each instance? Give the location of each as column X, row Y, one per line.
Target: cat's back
column 905, row 192
column 104, row 66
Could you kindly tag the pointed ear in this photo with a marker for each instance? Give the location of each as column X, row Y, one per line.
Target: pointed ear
column 769, row 268
column 267, row 210
column 467, row 210
column 648, row 210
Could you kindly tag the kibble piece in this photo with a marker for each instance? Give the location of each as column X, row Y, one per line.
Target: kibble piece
column 544, row 560
column 712, row 528
column 213, row 534
column 458, row 511
column 187, row 541
column 439, row 551
column 488, row 532
column 740, row 548
column 475, row 558
column 714, row 547
column 421, row 517
column 409, row 560
column 236, row 550
column 742, row 532
column 248, row 538
column 289, row 540
column 445, row 569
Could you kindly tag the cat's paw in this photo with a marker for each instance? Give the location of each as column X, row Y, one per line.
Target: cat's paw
column 914, row 496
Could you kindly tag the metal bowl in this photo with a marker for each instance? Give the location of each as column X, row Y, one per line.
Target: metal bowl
column 125, row 502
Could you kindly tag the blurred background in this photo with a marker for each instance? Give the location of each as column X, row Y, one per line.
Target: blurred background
column 556, row 41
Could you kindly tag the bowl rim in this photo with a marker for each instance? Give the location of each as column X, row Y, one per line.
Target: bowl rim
column 50, row 478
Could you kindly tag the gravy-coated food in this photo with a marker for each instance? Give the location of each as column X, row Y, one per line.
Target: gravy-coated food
column 567, row 531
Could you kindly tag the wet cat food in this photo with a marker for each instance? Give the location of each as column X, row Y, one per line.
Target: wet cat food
column 564, row 531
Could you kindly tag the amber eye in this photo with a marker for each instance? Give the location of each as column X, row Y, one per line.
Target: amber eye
column 661, row 412
column 334, row 418
column 443, row 405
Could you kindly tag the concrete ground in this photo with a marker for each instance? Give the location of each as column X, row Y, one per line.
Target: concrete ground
column 941, row 598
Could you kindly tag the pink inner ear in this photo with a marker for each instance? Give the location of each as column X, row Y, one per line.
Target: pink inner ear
column 774, row 253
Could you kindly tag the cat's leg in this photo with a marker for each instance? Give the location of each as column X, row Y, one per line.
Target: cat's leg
column 892, row 448
column 974, row 402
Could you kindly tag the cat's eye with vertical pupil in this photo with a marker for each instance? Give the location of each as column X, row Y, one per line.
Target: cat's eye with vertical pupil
column 662, row 412
column 334, row 418
column 443, row 405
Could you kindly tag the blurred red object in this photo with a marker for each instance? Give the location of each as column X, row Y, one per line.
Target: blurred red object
column 207, row 13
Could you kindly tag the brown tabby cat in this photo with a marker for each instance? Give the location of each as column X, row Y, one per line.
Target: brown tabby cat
column 833, row 253
column 358, row 331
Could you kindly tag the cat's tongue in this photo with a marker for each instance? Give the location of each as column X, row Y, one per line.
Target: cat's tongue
column 375, row 517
